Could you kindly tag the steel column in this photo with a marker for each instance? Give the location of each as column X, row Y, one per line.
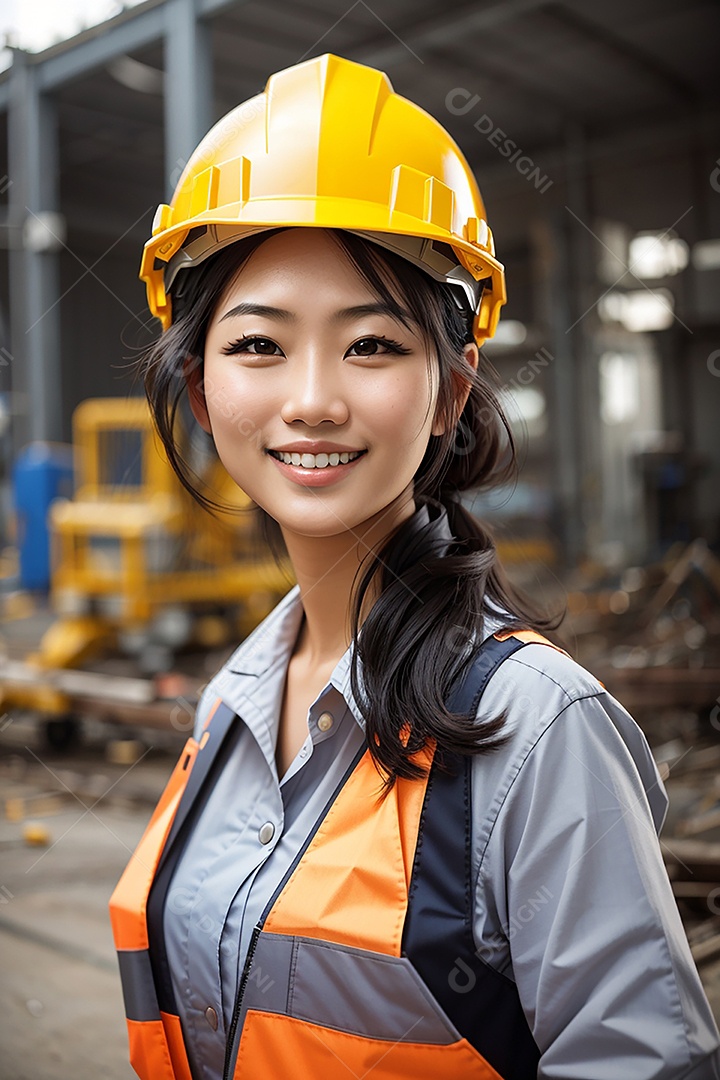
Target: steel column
column 34, row 273
column 583, row 295
column 188, row 85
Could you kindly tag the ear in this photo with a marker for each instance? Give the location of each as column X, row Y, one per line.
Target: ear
column 193, row 375
column 472, row 355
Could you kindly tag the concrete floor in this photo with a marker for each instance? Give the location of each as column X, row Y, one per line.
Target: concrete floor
column 61, row 1011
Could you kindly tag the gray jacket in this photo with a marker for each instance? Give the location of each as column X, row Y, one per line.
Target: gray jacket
column 572, row 900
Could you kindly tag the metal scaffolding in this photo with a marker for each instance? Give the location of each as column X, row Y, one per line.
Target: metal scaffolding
column 33, row 218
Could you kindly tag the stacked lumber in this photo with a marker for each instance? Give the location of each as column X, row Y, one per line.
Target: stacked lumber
column 651, row 634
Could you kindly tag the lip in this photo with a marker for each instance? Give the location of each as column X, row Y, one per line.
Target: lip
column 331, row 474
column 309, row 446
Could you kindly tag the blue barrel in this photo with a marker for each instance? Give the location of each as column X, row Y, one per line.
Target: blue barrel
column 42, row 472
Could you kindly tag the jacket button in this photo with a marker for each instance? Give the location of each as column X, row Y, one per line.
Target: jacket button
column 211, row 1017
column 326, row 721
column 266, row 832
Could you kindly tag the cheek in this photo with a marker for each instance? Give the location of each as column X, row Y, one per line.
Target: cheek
column 235, row 403
column 396, row 406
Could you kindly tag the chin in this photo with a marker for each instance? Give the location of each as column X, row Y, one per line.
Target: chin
column 321, row 526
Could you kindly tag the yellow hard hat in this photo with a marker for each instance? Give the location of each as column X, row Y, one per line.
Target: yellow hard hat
column 330, row 144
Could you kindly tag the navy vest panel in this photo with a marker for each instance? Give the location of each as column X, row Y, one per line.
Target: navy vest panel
column 437, row 936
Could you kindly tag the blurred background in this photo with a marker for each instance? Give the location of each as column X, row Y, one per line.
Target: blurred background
column 594, row 132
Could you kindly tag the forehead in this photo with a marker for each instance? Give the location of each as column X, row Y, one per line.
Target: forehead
column 304, row 264
column 300, row 253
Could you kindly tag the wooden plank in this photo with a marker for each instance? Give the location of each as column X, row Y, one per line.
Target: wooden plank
column 699, row 858
column 691, row 890
column 706, row 950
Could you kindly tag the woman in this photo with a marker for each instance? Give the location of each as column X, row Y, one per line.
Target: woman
column 410, row 836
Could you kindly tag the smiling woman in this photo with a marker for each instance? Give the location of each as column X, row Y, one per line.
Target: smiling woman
column 386, row 849
column 384, row 363
column 329, row 369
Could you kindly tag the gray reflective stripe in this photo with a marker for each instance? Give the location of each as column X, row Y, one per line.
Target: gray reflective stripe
column 137, row 984
column 353, row 990
column 269, row 978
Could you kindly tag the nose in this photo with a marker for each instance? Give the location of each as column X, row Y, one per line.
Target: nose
column 313, row 390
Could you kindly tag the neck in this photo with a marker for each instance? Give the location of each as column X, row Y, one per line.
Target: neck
column 325, row 567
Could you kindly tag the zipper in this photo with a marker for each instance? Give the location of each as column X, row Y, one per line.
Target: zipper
column 238, row 1001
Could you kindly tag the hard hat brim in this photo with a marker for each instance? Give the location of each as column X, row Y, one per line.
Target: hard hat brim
column 165, row 256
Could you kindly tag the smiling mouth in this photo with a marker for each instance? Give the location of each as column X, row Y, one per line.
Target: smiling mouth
column 316, row 461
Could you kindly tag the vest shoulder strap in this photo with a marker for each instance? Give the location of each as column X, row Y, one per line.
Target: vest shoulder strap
column 528, row 637
column 438, row 930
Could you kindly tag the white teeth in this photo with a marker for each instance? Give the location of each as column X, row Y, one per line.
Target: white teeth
column 317, row 461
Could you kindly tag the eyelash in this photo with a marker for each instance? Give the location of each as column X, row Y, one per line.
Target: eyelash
column 241, row 346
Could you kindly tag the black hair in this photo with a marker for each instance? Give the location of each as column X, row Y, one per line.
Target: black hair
column 430, row 603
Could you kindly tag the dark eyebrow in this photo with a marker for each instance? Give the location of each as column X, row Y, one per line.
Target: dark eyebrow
column 259, row 309
column 346, row 314
column 343, row 315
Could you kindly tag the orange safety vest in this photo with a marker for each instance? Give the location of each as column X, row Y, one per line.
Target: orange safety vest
column 363, row 960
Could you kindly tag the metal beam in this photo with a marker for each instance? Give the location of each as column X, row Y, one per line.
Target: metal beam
column 637, row 57
column 504, row 82
column 581, row 301
column 206, row 8
column 131, row 30
column 188, row 85
column 637, row 136
column 449, row 27
column 34, row 274
column 551, row 241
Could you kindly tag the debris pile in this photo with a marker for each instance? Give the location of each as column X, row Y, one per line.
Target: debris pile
column 690, row 841
column 651, row 635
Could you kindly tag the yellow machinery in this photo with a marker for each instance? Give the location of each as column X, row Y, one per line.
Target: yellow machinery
column 137, row 567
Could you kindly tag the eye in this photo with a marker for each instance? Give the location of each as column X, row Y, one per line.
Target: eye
column 263, row 347
column 368, row 346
